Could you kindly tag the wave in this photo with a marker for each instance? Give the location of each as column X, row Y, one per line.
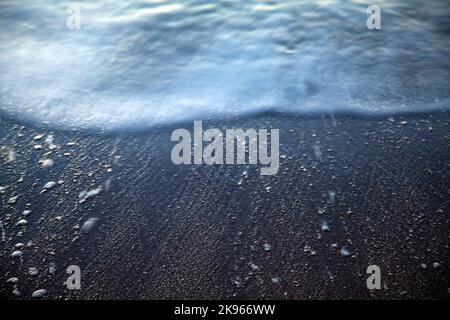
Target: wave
column 141, row 63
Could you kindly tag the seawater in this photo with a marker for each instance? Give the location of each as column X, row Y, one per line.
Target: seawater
column 140, row 63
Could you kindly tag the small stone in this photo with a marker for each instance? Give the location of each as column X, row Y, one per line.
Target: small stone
column 436, row 265
column 325, row 226
column 13, row 200
column 38, row 137
column 50, row 185
column 13, row 280
column 267, row 247
column 237, row 281
column 344, row 252
column 16, row 254
column 16, row 292
column 32, row 271
column 22, row 222
column 39, row 293
column 275, row 280
column 37, row 147
column 423, row 265
column 52, row 268
column 254, row 267
column 26, row 213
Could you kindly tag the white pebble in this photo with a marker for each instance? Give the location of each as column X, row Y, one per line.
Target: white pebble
column 38, row 137
column 13, row 200
column 32, row 271
column 26, row 212
column 344, row 252
column 16, row 254
column 39, row 293
column 22, row 222
column 275, row 280
column 12, row 280
column 50, row 185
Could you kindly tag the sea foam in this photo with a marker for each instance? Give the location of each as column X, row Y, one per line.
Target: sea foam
column 140, row 63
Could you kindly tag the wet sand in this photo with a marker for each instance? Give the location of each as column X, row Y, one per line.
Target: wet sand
column 214, row 232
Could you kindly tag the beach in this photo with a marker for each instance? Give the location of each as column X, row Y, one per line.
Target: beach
column 351, row 192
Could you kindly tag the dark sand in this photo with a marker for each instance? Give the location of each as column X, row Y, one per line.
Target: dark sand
column 188, row 232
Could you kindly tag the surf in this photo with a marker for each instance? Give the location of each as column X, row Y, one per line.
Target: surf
column 137, row 64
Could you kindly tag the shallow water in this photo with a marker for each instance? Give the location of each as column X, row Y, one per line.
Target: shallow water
column 138, row 63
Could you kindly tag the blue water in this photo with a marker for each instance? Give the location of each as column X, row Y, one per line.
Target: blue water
column 138, row 63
